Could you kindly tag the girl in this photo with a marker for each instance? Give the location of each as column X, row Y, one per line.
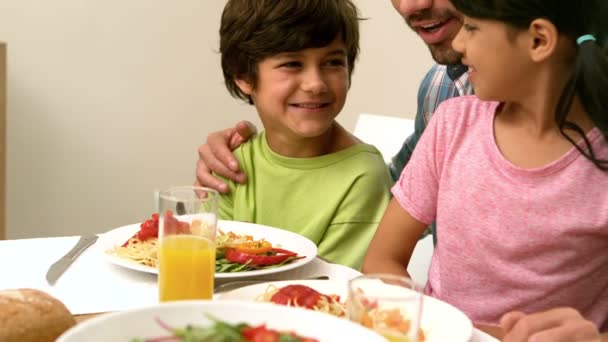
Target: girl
column 516, row 177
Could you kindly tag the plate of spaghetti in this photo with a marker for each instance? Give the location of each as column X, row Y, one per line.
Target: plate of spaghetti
column 318, row 295
column 440, row 321
column 243, row 249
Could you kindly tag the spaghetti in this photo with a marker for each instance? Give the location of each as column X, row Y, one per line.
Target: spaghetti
column 141, row 252
column 304, row 297
column 142, row 247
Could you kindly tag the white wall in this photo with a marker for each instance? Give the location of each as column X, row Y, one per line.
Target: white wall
column 109, row 100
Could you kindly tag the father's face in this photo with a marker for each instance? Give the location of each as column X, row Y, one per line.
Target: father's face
column 437, row 22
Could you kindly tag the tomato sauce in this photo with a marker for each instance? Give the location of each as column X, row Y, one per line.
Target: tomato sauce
column 298, row 295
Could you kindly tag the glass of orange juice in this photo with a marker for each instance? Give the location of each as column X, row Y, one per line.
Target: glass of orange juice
column 389, row 304
column 186, row 242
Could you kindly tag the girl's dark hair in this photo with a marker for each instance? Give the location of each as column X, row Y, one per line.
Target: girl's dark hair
column 252, row 30
column 572, row 18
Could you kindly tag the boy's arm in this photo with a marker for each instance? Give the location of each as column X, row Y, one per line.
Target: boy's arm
column 393, row 244
column 355, row 220
column 346, row 243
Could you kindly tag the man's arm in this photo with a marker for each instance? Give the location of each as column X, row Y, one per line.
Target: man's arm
column 402, row 157
column 405, row 153
column 215, row 156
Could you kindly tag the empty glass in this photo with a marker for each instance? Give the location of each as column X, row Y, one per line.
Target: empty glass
column 389, row 304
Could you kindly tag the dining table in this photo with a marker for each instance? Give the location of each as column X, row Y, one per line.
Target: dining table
column 93, row 286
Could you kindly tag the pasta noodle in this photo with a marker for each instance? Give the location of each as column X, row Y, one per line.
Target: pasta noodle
column 141, row 252
column 327, row 303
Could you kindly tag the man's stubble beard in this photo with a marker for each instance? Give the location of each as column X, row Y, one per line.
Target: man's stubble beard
column 443, row 53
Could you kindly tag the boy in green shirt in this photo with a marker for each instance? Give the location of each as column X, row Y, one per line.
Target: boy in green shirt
column 293, row 61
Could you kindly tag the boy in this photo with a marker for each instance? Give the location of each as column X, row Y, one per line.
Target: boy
column 293, row 61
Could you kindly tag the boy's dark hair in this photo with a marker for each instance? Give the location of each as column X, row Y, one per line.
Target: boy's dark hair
column 252, row 30
column 572, row 18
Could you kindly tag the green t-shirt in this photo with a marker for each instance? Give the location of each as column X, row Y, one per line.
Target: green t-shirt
column 335, row 200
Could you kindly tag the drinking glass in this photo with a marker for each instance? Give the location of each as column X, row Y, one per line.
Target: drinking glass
column 186, row 242
column 389, row 304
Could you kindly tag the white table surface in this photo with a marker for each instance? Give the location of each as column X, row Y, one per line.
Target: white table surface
column 93, row 285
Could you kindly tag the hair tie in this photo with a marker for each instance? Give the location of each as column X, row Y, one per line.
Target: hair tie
column 587, row 37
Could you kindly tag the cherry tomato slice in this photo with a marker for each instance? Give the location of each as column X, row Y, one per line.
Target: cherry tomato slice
column 259, row 260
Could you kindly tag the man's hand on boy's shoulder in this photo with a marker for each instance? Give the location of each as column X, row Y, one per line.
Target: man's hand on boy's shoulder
column 215, row 156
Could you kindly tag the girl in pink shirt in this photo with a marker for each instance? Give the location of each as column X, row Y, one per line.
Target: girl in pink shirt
column 517, row 177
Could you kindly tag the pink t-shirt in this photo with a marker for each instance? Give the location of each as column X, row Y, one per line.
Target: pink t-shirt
column 508, row 238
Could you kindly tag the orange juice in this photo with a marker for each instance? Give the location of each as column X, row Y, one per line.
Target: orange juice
column 186, row 267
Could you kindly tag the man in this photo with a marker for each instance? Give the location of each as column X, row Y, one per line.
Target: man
column 436, row 22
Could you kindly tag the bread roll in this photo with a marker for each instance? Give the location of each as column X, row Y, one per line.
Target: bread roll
column 28, row 315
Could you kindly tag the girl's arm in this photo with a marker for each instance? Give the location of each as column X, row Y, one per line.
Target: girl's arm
column 393, row 244
column 556, row 325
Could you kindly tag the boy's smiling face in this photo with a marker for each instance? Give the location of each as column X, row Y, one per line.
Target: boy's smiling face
column 299, row 94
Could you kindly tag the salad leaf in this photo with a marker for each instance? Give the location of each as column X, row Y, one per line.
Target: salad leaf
column 288, row 338
column 226, row 266
column 219, row 331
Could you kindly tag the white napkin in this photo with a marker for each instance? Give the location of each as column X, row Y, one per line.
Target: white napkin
column 89, row 285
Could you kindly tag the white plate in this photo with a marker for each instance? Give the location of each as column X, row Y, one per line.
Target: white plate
column 141, row 322
column 278, row 237
column 440, row 320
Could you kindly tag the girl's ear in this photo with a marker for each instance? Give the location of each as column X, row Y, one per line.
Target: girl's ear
column 244, row 85
column 544, row 39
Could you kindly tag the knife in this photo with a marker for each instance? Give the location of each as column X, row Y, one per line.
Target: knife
column 57, row 269
column 233, row 285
